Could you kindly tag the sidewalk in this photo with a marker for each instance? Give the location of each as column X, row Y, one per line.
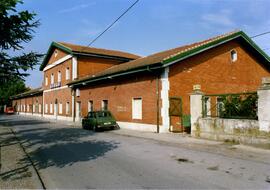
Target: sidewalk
column 216, row 147
column 178, row 138
column 184, row 140
column 16, row 170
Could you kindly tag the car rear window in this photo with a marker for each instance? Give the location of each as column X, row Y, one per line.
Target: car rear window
column 104, row 114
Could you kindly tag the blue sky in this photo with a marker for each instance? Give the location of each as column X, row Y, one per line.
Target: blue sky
column 151, row 26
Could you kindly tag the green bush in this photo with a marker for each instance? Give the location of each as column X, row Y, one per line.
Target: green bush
column 239, row 106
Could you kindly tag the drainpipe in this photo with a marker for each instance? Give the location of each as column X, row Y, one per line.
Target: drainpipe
column 73, row 104
column 157, row 97
column 20, row 106
column 42, row 103
column 32, row 105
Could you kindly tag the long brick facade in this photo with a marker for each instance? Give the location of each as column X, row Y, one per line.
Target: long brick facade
column 138, row 90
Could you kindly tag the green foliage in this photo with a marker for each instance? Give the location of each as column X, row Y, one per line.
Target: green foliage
column 11, row 88
column 239, row 106
column 16, row 28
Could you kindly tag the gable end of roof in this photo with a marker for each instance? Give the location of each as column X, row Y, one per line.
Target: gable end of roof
column 211, row 44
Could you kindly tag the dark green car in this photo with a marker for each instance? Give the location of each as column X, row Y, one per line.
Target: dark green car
column 97, row 120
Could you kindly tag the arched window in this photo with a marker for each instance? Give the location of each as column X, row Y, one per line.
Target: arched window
column 233, row 55
column 59, row 76
column 52, row 78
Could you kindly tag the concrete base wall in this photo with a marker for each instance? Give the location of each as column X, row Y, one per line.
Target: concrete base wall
column 233, row 130
column 137, row 126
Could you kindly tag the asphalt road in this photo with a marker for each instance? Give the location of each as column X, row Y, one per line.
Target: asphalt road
column 69, row 157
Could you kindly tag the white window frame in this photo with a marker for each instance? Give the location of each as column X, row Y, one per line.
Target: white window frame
column 60, row 108
column 46, row 80
column 51, row 108
column 233, row 55
column 103, row 104
column 55, row 53
column 78, row 92
column 90, row 105
column 59, row 76
column 34, row 108
column 46, row 108
column 136, row 114
column 52, row 78
column 67, row 73
column 39, row 108
column 67, row 108
column 28, row 108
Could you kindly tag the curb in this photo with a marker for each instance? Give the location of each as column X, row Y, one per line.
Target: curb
column 29, row 158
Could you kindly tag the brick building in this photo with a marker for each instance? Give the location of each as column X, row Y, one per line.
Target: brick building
column 142, row 91
column 62, row 64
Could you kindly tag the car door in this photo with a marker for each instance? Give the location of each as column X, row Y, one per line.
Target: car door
column 87, row 120
column 92, row 119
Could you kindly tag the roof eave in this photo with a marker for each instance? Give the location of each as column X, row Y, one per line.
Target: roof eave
column 195, row 51
column 102, row 56
column 27, row 94
column 47, row 56
column 114, row 75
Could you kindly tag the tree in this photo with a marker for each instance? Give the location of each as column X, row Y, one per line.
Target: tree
column 16, row 28
column 10, row 88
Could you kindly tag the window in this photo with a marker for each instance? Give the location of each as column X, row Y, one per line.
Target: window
column 91, row 115
column 137, row 108
column 67, row 108
column 34, row 108
column 46, row 108
column 67, row 73
column 46, row 81
column 90, row 106
column 59, row 76
column 51, row 108
column 60, row 108
column 233, row 55
column 77, row 92
column 39, row 108
column 104, row 105
column 55, row 53
column 28, row 108
column 52, row 78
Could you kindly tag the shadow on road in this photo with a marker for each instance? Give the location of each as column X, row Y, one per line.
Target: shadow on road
column 67, row 154
column 59, row 146
column 10, row 122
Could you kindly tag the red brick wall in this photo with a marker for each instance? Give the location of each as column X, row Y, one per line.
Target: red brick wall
column 63, row 96
column 62, row 68
column 216, row 73
column 120, row 93
column 29, row 101
column 60, row 54
column 90, row 65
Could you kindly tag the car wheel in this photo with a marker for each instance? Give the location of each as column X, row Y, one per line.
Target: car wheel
column 116, row 127
column 94, row 128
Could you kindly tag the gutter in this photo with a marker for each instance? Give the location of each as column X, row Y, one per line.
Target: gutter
column 85, row 82
column 102, row 56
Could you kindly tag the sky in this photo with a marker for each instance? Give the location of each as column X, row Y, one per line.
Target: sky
column 150, row 26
